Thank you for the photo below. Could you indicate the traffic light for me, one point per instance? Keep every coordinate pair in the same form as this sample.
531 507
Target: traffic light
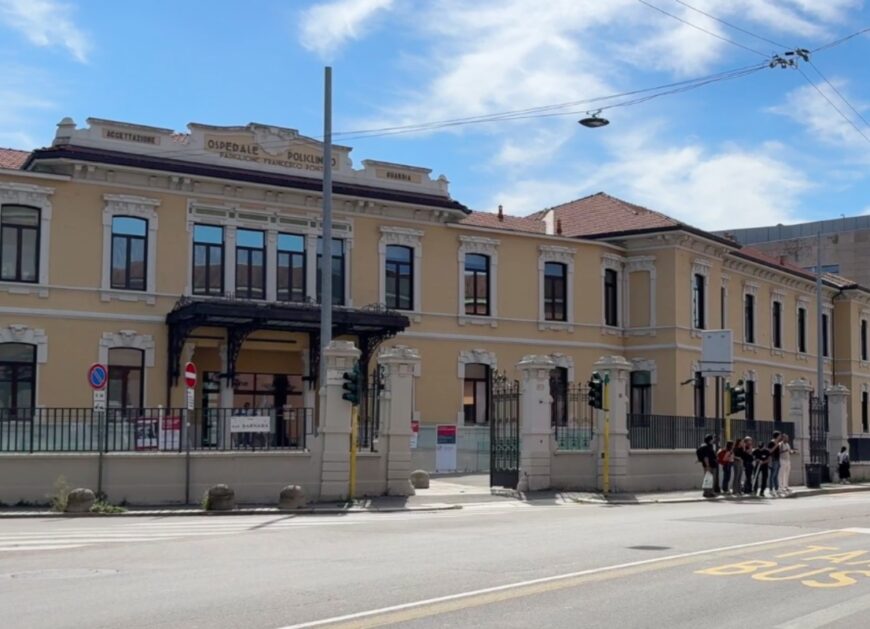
738 397
596 391
351 386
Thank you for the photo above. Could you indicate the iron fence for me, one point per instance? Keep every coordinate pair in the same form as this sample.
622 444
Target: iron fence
669 432
153 430
370 416
571 417
760 431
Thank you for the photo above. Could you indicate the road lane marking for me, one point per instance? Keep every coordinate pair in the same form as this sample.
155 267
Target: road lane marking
453 602
829 615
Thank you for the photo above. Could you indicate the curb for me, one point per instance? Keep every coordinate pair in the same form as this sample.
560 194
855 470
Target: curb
262 511
649 501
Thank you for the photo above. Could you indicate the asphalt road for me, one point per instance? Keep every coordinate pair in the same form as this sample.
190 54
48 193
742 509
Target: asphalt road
786 563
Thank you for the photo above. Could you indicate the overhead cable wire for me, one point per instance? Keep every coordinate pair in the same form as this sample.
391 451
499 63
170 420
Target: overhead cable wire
838 93
729 24
842 40
833 104
704 30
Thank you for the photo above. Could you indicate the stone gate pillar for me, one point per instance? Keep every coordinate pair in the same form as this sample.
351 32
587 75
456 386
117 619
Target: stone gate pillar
535 424
838 420
401 364
799 392
335 418
617 370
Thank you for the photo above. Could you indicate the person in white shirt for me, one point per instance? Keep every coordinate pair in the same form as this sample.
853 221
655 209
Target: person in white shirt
843 465
785 452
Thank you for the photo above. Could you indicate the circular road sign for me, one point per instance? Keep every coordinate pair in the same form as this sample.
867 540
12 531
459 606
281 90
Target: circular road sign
98 376
190 375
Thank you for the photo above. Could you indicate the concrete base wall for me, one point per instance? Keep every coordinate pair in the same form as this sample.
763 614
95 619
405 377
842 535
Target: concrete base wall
571 470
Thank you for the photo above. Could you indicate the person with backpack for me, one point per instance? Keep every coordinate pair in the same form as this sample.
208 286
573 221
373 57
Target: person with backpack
725 458
706 454
843 465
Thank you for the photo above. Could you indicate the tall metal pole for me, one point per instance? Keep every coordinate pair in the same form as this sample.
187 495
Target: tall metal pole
820 360
326 241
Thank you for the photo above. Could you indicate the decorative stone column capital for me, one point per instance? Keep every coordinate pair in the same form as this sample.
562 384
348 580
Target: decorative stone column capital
799 385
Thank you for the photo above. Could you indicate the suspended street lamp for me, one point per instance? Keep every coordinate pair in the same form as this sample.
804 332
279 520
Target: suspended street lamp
593 121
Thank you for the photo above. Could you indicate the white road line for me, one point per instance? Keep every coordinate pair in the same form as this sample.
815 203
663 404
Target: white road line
558 577
43 547
858 530
825 617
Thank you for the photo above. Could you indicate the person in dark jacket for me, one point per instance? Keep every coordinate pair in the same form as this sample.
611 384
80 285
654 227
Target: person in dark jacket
762 455
748 464
706 454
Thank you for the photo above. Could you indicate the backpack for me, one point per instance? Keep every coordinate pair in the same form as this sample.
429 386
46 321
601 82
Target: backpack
720 458
701 453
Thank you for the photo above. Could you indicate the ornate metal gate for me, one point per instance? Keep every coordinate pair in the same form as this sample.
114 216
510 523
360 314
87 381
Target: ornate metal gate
504 440
819 437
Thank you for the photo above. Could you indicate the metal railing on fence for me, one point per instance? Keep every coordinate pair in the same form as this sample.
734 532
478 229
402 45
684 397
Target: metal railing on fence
572 418
670 432
370 417
153 430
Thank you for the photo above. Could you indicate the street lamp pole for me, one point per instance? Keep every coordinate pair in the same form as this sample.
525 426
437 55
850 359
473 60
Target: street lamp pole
326 237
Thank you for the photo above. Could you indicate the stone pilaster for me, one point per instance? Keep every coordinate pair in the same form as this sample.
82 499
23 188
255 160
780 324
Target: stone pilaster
799 392
838 420
615 370
535 424
401 365
335 420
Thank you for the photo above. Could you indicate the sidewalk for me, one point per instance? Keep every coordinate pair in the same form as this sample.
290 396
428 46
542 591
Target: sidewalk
674 497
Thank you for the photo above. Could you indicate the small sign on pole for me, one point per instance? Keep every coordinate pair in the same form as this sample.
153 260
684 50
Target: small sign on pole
99 400
717 353
98 376
415 432
190 375
190 399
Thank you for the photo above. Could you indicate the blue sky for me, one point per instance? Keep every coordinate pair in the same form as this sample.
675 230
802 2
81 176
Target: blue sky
760 149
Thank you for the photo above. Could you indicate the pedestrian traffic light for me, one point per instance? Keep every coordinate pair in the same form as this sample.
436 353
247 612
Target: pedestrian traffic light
352 380
738 397
596 391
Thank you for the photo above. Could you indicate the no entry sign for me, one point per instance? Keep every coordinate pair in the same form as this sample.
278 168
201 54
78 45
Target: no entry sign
98 375
190 375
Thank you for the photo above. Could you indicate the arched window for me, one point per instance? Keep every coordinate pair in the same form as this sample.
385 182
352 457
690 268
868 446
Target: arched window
17 376
126 370
129 247
19 243
399 271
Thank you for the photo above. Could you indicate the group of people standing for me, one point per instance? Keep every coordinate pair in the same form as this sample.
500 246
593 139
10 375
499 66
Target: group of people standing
747 468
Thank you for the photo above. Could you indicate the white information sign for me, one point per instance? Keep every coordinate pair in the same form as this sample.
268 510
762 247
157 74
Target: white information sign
191 399
170 433
445 448
717 355
99 400
250 423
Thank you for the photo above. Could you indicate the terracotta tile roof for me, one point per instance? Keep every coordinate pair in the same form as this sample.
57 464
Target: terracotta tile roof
759 256
600 214
12 158
511 223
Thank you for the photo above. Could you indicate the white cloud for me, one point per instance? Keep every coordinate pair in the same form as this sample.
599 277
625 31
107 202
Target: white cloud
325 28
23 100
46 23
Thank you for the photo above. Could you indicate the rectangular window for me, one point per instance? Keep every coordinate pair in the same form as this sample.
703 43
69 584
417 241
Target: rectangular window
750 399
640 402
129 247
777 324
723 295
19 244
477 284
399 277
250 264
824 335
291 267
611 297
208 260
749 318
555 291
338 296
17 377
126 367
699 296
475 395
802 330
863 339
777 402
865 421
700 397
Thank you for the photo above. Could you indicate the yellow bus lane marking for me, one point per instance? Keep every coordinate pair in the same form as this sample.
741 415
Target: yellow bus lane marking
813 566
465 600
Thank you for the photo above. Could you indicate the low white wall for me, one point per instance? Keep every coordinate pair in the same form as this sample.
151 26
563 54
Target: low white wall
573 470
472 449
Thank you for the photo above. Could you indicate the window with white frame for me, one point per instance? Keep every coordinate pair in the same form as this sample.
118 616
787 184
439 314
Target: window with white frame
130 243
25 217
750 292
776 391
801 328
555 280
776 323
611 275
478 279
826 333
864 339
700 277
400 253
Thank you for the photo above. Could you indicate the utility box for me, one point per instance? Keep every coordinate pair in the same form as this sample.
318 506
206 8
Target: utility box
717 354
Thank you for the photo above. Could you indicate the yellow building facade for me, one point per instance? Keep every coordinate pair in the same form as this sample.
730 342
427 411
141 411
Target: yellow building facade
142 249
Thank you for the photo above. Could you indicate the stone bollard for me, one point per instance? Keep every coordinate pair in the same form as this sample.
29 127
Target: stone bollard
220 498
80 501
420 479
292 497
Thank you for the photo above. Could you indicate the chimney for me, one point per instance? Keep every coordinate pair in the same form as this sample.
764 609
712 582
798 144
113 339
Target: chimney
782 260
559 226
500 213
